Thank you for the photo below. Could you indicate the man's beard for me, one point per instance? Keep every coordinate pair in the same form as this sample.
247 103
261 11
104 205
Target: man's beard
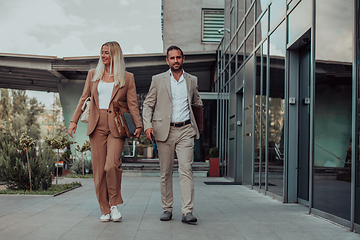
179 69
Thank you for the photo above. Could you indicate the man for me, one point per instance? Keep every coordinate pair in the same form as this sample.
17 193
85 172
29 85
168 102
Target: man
168 117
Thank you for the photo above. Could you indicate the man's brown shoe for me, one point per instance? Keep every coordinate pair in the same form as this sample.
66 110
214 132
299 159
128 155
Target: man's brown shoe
166 216
188 218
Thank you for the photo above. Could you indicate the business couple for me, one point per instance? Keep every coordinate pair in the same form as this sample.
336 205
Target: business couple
167 116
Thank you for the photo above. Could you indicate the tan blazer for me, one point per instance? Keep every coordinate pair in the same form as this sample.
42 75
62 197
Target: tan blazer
124 94
157 108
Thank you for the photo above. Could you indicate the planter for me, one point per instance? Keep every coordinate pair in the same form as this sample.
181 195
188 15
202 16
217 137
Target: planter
148 152
214 168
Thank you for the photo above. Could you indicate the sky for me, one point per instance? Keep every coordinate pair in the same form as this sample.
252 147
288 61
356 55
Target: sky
67 28
72 28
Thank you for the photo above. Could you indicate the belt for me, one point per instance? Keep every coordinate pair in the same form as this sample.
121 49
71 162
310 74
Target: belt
180 124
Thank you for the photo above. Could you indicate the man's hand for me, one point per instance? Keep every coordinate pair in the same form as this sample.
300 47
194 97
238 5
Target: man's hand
72 129
148 133
137 133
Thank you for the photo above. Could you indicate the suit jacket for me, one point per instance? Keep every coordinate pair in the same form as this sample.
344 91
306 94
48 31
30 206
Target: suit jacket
126 94
157 107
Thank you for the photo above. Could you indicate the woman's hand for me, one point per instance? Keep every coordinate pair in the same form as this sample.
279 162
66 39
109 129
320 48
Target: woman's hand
137 133
72 129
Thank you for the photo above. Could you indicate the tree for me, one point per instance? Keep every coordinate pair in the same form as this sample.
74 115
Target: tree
58 142
85 147
53 119
19 101
15 165
34 110
5 104
22 114
26 142
19 116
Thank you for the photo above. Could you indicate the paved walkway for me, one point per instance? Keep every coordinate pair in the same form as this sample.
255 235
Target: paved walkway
224 212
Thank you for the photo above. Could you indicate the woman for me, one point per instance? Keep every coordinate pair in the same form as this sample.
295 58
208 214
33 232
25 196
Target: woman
106 84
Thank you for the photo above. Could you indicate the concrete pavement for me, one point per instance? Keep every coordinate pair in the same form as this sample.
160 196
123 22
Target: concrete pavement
223 212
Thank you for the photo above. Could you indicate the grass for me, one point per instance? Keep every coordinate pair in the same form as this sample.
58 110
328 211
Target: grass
51 190
79 176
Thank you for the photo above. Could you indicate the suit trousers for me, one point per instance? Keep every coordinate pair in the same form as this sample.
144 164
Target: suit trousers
106 161
181 141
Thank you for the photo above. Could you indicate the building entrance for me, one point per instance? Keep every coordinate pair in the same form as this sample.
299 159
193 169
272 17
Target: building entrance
239 138
304 122
297 189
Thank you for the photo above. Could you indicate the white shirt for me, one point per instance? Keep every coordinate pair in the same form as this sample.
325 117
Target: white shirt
180 103
105 91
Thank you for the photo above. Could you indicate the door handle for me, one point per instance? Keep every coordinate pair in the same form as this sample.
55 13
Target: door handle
306 101
292 101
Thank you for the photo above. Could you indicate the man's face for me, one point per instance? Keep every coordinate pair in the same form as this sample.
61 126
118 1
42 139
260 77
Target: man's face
175 60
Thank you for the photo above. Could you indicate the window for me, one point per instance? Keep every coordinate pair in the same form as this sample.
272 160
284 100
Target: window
213 20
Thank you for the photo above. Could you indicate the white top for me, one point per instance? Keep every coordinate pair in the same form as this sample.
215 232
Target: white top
180 103
105 91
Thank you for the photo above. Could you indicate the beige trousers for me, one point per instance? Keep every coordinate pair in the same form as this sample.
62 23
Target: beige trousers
181 141
106 161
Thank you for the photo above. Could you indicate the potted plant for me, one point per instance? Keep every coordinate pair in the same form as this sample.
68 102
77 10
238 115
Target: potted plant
214 169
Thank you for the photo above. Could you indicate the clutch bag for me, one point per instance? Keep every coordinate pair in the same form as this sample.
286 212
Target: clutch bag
84 117
125 125
198 111
129 122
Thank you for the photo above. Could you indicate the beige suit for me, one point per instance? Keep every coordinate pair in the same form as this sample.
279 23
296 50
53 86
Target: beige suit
157 112
105 141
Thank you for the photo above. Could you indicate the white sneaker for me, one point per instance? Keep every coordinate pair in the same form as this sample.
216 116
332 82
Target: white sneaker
105 217
115 214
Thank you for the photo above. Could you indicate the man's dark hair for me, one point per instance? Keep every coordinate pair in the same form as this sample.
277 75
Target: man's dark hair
173 48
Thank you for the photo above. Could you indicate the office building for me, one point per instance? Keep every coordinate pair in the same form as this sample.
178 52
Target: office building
287 83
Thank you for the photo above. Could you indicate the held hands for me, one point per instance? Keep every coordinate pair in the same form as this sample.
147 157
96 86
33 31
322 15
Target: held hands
149 132
72 129
137 133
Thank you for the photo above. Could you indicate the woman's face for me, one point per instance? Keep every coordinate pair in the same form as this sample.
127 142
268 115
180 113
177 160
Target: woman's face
105 55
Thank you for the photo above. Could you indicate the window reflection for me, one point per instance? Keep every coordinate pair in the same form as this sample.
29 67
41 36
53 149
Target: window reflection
240 57
332 127
276 111
277 12
240 10
299 20
248 120
264 4
260 128
250 20
263 110
249 44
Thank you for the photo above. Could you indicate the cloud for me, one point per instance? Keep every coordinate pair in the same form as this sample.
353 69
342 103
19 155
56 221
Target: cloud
274 51
68 47
54 27
334 31
125 2
45 98
24 19
138 49
106 29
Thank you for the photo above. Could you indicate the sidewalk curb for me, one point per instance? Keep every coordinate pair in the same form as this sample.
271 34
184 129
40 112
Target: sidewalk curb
67 190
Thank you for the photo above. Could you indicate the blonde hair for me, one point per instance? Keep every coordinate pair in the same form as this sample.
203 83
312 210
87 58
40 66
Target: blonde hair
117 64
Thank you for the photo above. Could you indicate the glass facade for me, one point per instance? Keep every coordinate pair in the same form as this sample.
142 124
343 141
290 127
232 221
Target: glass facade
276 110
333 90
285 82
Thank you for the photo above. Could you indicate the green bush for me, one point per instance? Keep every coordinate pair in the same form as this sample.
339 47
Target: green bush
77 166
79 176
50 191
14 168
214 152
